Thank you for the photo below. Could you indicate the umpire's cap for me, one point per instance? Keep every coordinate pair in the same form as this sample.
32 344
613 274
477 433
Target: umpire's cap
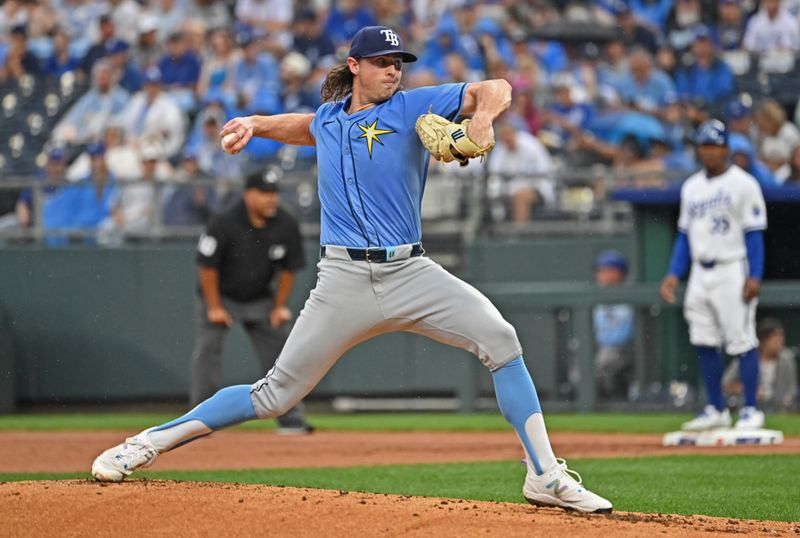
373 41
711 133
262 181
611 258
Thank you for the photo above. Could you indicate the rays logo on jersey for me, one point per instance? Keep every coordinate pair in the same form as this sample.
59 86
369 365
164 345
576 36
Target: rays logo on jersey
372 133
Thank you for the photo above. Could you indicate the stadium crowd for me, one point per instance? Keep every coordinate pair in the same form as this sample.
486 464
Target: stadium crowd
623 86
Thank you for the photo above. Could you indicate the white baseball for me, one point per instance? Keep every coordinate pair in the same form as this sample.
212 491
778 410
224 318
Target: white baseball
227 141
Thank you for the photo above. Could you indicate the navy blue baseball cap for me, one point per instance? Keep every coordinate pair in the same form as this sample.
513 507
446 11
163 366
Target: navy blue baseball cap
373 41
736 109
95 149
611 258
711 133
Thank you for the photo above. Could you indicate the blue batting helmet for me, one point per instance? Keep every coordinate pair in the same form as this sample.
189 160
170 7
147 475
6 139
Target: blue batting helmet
712 133
611 258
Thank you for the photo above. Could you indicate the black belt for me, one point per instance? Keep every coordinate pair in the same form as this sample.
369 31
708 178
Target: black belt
375 255
710 264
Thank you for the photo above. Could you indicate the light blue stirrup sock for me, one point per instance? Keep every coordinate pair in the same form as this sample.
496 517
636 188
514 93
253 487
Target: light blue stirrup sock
519 404
227 407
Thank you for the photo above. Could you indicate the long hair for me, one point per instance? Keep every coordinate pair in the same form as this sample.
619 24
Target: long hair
338 84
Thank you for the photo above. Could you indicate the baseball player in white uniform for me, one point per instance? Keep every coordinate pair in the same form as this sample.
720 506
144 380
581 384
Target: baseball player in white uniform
720 234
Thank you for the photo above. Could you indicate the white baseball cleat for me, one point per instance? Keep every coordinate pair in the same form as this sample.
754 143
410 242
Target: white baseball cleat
709 419
557 487
116 463
750 418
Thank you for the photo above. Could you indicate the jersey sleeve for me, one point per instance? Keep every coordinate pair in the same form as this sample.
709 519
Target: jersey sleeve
445 100
753 209
210 246
683 214
318 116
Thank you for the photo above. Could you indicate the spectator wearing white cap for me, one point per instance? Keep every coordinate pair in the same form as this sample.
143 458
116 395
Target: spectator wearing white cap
296 94
123 12
152 118
148 49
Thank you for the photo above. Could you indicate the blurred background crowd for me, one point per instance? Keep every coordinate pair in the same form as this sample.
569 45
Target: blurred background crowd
101 93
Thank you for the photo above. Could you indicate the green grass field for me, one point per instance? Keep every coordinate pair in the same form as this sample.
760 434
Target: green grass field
621 423
752 487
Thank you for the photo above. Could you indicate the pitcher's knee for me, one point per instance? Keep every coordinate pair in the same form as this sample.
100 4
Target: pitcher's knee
500 345
269 402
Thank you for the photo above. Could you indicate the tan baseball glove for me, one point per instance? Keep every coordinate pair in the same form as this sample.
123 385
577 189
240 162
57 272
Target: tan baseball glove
448 141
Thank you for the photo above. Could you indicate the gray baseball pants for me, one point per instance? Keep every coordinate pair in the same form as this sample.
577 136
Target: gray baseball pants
267 342
354 301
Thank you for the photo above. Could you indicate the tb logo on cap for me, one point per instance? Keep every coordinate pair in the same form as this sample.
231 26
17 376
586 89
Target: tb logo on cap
391 37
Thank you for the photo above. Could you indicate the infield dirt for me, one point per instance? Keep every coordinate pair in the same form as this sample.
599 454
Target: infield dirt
161 508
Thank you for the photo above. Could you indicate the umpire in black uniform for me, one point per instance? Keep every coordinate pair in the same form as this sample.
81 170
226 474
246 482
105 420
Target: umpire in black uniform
238 258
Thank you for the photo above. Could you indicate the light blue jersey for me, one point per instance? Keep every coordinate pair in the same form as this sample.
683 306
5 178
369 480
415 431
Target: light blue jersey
373 167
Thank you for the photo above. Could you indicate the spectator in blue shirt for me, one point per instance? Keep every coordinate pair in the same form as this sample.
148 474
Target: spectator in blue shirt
99 49
633 34
55 173
708 80
129 78
739 118
613 330
61 60
100 189
82 205
564 118
346 18
180 70
731 25
185 204
744 156
653 12
255 73
645 88
309 40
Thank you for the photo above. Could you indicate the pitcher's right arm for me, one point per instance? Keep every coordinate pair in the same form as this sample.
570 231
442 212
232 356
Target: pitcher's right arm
286 128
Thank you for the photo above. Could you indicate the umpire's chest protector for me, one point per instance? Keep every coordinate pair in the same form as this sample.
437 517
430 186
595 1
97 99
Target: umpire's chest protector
372 166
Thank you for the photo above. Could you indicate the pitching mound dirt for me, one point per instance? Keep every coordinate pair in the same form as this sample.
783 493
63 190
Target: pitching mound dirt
33 451
164 508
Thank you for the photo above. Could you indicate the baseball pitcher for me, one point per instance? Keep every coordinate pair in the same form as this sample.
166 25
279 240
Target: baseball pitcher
373 143
720 234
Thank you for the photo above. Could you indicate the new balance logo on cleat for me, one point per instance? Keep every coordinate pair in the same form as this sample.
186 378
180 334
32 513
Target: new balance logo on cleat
556 486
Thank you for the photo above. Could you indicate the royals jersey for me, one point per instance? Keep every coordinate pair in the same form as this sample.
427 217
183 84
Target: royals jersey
716 213
373 166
